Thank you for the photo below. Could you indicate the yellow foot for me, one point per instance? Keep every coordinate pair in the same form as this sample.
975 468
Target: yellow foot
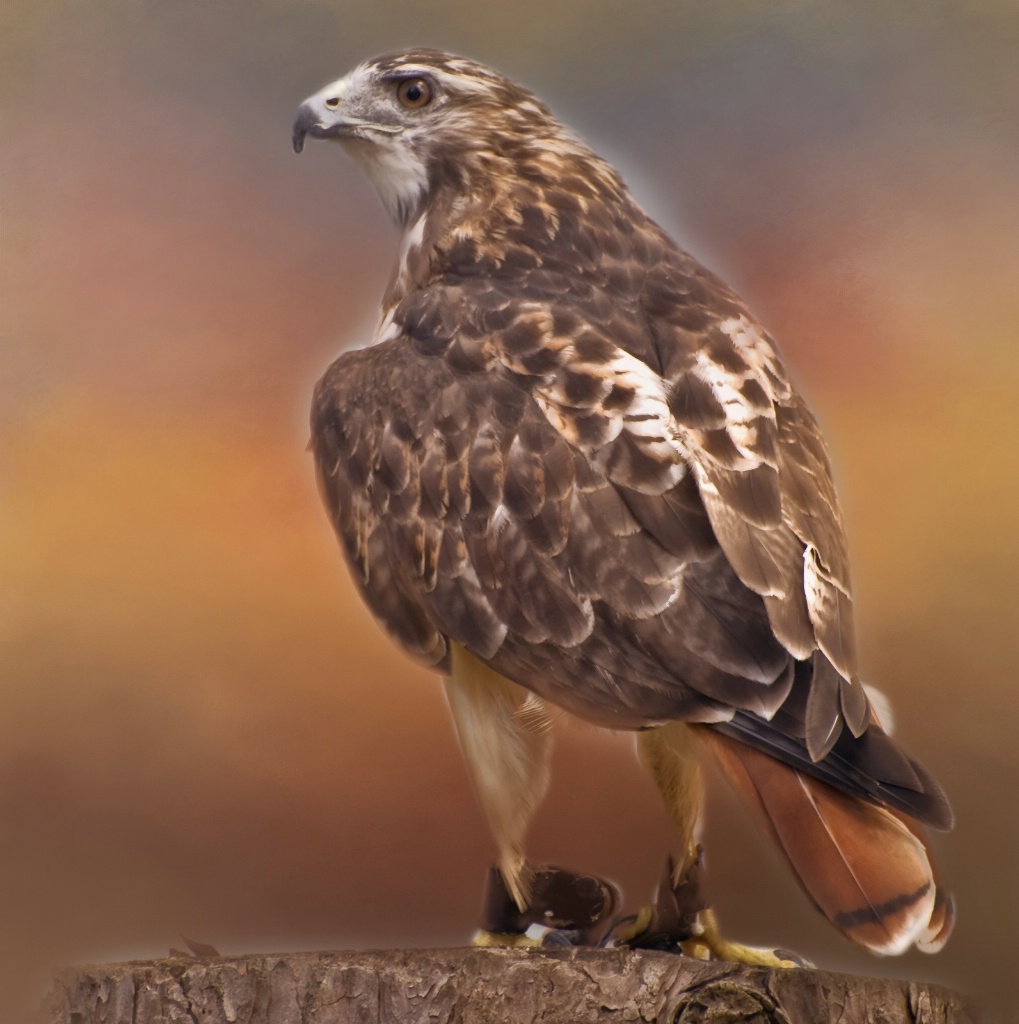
630 929
709 945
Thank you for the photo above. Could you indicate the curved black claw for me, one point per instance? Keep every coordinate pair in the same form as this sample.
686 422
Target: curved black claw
567 908
794 958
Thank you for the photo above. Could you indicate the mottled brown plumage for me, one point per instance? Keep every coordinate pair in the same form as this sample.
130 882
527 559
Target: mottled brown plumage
572 452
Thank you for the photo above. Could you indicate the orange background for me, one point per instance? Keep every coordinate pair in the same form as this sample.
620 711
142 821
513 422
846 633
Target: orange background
201 731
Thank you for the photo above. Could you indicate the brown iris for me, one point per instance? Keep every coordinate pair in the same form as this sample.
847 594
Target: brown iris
414 93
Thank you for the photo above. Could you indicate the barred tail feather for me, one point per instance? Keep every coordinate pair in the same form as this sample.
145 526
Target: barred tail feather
942 920
865 868
935 935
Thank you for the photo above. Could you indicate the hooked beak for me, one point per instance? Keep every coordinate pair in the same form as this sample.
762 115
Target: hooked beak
321 122
309 121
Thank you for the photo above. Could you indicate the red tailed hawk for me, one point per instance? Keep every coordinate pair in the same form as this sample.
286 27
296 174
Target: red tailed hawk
570 469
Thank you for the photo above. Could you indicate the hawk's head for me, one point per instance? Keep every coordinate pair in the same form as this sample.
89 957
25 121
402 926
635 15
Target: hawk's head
420 119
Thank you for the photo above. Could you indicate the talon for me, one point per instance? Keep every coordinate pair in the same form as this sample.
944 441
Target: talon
717 948
680 921
695 949
672 919
625 930
795 959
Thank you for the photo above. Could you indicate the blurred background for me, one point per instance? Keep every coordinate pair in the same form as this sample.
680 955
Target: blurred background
201 730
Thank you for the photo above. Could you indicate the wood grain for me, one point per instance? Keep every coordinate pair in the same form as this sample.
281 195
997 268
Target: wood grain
484 986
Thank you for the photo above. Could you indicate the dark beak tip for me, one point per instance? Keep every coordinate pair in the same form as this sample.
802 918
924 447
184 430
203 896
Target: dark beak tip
303 123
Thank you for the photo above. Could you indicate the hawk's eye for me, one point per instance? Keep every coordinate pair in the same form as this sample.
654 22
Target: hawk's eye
414 93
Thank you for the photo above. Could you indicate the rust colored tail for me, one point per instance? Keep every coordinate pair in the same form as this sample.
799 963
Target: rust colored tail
865 867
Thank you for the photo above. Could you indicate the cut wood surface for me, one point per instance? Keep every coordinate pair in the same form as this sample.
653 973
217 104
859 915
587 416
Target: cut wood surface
484 986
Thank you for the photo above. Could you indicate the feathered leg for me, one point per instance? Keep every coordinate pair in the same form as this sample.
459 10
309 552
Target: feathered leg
670 754
505 736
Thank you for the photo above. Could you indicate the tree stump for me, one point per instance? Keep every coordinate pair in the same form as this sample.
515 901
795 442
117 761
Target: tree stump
484 986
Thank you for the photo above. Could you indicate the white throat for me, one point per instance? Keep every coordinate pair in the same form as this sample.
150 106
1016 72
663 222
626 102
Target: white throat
399 177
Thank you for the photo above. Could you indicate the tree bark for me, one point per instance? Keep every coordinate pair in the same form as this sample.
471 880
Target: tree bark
484 986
